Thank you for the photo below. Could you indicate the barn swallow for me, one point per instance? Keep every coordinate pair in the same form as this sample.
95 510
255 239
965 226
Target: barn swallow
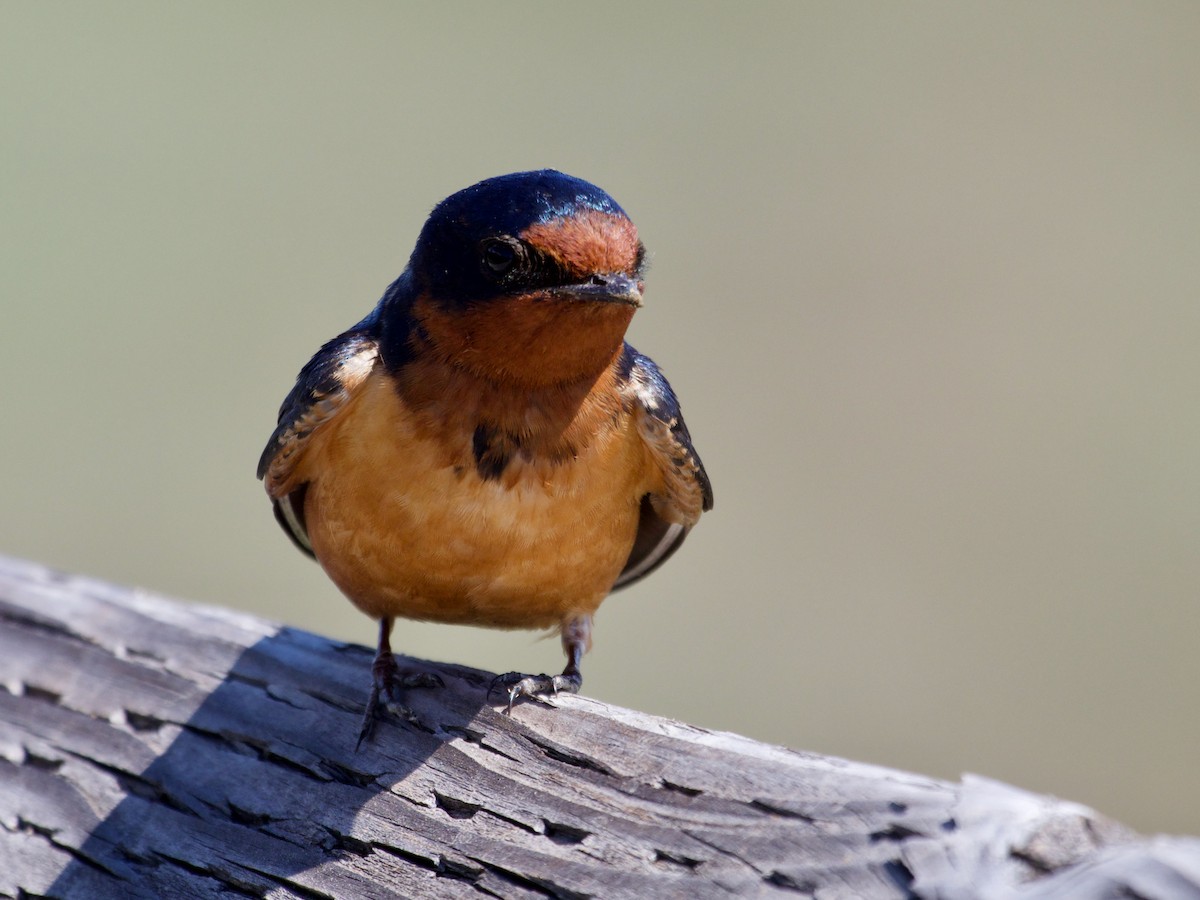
484 447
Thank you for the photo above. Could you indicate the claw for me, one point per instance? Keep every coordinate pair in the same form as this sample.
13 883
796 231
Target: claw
535 687
385 697
387 686
495 681
422 680
576 636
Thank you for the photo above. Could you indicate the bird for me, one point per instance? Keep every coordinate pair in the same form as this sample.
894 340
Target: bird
485 447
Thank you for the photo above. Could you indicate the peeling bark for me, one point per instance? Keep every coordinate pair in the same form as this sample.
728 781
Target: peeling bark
153 749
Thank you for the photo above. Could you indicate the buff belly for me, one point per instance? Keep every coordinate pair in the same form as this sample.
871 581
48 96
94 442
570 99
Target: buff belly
406 526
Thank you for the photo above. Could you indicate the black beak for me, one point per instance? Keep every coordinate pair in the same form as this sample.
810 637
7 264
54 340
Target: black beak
607 288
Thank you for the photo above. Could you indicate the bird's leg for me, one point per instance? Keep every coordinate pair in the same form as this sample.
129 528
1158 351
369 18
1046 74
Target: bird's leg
387 684
576 641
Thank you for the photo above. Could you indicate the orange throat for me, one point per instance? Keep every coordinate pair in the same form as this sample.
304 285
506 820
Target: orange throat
532 340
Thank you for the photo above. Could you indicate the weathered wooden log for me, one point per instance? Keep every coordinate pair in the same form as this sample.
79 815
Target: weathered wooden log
150 748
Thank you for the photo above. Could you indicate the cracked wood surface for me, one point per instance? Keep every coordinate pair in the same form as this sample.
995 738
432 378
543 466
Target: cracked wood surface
154 749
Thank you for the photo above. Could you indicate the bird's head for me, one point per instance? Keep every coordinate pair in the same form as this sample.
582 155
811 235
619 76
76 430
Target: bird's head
530 278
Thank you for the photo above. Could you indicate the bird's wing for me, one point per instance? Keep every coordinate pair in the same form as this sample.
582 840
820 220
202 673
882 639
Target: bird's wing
323 388
666 517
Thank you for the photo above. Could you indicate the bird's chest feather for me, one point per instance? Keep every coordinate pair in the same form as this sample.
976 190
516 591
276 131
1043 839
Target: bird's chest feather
461 510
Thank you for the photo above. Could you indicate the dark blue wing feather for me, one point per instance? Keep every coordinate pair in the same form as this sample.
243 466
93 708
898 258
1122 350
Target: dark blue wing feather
664 520
321 387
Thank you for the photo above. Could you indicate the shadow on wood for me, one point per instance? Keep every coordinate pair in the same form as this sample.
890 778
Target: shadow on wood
149 748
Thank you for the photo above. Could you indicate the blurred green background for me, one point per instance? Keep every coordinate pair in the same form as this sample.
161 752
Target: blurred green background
926 277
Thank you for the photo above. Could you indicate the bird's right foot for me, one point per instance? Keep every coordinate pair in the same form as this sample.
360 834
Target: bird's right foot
387 688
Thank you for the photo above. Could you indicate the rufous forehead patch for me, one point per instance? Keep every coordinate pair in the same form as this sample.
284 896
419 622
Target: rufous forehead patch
588 242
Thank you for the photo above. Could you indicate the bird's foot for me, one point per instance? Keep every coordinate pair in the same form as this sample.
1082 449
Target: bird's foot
388 685
535 686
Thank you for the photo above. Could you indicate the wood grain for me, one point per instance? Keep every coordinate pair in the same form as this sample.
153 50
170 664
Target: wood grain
154 749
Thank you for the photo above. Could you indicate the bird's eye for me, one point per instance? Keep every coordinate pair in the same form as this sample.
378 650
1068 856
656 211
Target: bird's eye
499 256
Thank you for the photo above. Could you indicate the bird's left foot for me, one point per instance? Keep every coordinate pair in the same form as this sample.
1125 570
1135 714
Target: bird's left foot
536 686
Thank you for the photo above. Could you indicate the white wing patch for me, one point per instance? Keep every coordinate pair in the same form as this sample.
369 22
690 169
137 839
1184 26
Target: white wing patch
293 522
666 544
